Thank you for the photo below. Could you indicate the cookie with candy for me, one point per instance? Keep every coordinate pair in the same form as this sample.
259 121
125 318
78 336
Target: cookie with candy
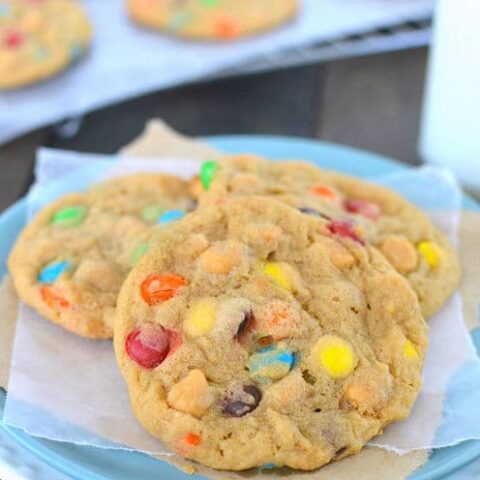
254 335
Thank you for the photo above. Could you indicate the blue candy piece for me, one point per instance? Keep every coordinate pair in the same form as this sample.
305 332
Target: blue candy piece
269 466
272 362
52 271
5 9
170 216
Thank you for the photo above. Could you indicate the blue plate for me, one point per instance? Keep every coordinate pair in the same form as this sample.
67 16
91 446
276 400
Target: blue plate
80 462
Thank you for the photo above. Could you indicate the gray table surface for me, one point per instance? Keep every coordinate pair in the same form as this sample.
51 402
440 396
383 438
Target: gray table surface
369 102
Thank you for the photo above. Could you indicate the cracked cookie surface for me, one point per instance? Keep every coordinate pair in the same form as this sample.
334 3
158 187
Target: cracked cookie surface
71 260
253 335
401 231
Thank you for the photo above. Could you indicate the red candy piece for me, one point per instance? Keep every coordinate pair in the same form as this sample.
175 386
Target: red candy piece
345 229
150 347
52 299
323 191
363 207
13 39
156 289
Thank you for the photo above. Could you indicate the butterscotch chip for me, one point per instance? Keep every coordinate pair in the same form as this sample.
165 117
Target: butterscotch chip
400 253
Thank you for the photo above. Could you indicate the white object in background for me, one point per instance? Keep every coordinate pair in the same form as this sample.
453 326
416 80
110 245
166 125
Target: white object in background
450 133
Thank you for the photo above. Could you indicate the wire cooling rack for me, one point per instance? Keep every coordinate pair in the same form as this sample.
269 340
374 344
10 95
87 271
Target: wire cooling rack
402 36
398 37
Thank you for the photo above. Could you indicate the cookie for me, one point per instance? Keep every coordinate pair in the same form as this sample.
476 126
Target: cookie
404 234
212 19
254 335
71 260
39 38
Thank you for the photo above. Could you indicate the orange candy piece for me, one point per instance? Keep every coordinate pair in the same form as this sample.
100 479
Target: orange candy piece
191 439
226 29
323 191
156 288
52 299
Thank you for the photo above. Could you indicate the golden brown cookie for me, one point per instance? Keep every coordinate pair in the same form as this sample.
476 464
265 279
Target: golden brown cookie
254 335
404 234
212 19
39 38
70 261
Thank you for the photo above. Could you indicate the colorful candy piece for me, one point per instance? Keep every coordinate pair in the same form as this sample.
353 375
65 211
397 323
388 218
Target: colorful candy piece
13 39
363 207
240 403
5 9
180 19
209 3
151 213
346 229
69 216
170 216
313 212
191 439
409 350
207 172
157 288
334 355
53 271
246 326
138 252
269 466
226 29
323 191
192 394
431 252
149 347
279 319
273 362
201 317
52 299
277 272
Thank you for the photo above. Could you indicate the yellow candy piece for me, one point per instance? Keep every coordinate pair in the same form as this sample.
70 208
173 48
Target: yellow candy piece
278 273
201 317
334 355
431 252
409 350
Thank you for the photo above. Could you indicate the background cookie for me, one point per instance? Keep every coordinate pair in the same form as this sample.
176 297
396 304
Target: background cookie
212 19
71 261
415 247
39 38
252 335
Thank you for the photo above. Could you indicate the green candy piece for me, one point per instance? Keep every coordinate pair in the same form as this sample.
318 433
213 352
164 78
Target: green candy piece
209 3
69 216
138 253
152 213
207 172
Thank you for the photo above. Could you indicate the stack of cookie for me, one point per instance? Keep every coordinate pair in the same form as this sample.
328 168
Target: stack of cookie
263 314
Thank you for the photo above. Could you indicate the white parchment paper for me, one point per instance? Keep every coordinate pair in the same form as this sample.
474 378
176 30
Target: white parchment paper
63 387
126 60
